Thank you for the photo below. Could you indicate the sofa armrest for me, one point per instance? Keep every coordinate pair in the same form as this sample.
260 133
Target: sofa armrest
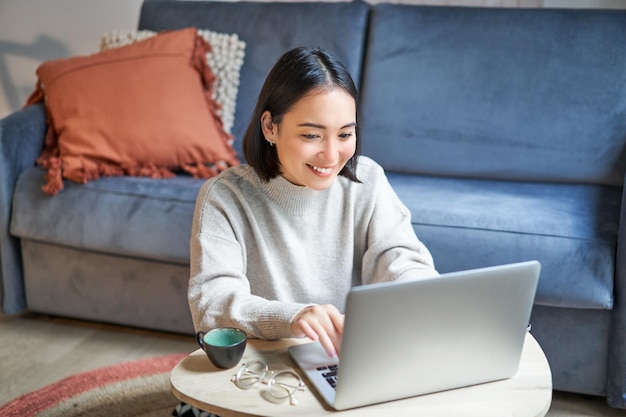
21 142
616 368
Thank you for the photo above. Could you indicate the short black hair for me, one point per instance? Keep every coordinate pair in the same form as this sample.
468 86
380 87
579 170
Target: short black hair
297 73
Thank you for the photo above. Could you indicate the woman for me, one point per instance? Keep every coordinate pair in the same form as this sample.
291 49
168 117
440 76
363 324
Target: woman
277 244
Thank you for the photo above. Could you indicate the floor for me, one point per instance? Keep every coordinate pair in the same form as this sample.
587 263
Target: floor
37 350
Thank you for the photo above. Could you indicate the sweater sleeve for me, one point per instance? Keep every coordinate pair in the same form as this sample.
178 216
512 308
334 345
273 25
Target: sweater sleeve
219 293
393 250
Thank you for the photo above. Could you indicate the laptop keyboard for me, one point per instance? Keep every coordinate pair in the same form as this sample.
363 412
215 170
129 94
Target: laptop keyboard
330 374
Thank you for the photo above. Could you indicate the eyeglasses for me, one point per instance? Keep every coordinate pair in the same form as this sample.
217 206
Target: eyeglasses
280 385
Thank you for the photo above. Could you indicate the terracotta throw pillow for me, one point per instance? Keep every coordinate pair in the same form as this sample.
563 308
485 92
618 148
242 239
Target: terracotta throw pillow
225 59
144 109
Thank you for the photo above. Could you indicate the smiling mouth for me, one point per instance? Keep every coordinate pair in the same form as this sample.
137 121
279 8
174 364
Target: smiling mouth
320 169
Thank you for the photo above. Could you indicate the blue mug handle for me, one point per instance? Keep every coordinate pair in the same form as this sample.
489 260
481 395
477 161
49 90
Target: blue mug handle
200 338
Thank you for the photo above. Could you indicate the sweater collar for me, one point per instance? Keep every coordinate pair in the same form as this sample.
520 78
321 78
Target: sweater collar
294 199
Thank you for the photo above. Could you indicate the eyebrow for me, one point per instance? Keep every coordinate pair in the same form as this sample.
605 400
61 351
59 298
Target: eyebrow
318 126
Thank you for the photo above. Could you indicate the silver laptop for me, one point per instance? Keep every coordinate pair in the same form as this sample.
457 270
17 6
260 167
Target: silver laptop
409 338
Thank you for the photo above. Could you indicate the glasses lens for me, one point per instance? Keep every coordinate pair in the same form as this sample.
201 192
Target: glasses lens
284 385
251 373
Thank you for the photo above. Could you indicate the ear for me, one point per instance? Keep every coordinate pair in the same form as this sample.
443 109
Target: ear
268 126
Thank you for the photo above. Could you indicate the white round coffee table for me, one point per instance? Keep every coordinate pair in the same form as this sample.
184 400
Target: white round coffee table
196 381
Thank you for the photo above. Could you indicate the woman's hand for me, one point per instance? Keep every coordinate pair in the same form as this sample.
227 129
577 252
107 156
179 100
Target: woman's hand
323 323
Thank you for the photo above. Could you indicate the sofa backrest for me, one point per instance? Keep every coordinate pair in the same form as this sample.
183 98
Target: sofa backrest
269 30
520 94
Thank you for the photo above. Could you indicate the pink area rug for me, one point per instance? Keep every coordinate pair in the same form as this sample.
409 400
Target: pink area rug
137 388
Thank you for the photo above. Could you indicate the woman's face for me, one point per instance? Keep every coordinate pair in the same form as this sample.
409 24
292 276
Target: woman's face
316 138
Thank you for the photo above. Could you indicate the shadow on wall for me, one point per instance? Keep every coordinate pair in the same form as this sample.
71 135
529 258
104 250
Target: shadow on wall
43 49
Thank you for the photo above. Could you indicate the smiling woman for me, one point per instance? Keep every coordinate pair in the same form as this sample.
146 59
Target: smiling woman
300 192
277 244
318 96
315 139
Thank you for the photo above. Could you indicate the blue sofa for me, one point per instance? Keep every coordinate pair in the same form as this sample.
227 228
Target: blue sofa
503 131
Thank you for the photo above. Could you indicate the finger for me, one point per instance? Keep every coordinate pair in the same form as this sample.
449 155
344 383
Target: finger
335 339
324 340
328 344
339 325
336 332
323 323
338 320
308 330
327 336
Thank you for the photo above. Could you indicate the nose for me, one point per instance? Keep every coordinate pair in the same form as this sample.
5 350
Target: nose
329 149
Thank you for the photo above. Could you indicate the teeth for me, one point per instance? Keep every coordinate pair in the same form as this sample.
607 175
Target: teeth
321 170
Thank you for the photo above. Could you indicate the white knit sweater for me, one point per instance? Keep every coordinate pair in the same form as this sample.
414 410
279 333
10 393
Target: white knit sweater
260 252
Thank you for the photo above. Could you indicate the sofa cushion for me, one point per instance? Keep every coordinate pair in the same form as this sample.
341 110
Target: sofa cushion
570 229
144 109
496 93
498 222
225 59
128 216
339 27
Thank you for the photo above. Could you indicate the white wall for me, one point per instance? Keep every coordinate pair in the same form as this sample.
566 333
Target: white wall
33 31
602 4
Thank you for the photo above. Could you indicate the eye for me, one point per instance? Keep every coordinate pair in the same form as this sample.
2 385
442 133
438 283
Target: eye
310 136
346 135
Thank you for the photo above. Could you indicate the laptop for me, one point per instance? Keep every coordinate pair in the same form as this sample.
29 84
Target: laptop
403 339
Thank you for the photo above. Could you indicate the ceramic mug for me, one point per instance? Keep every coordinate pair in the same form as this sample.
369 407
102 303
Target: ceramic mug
223 346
